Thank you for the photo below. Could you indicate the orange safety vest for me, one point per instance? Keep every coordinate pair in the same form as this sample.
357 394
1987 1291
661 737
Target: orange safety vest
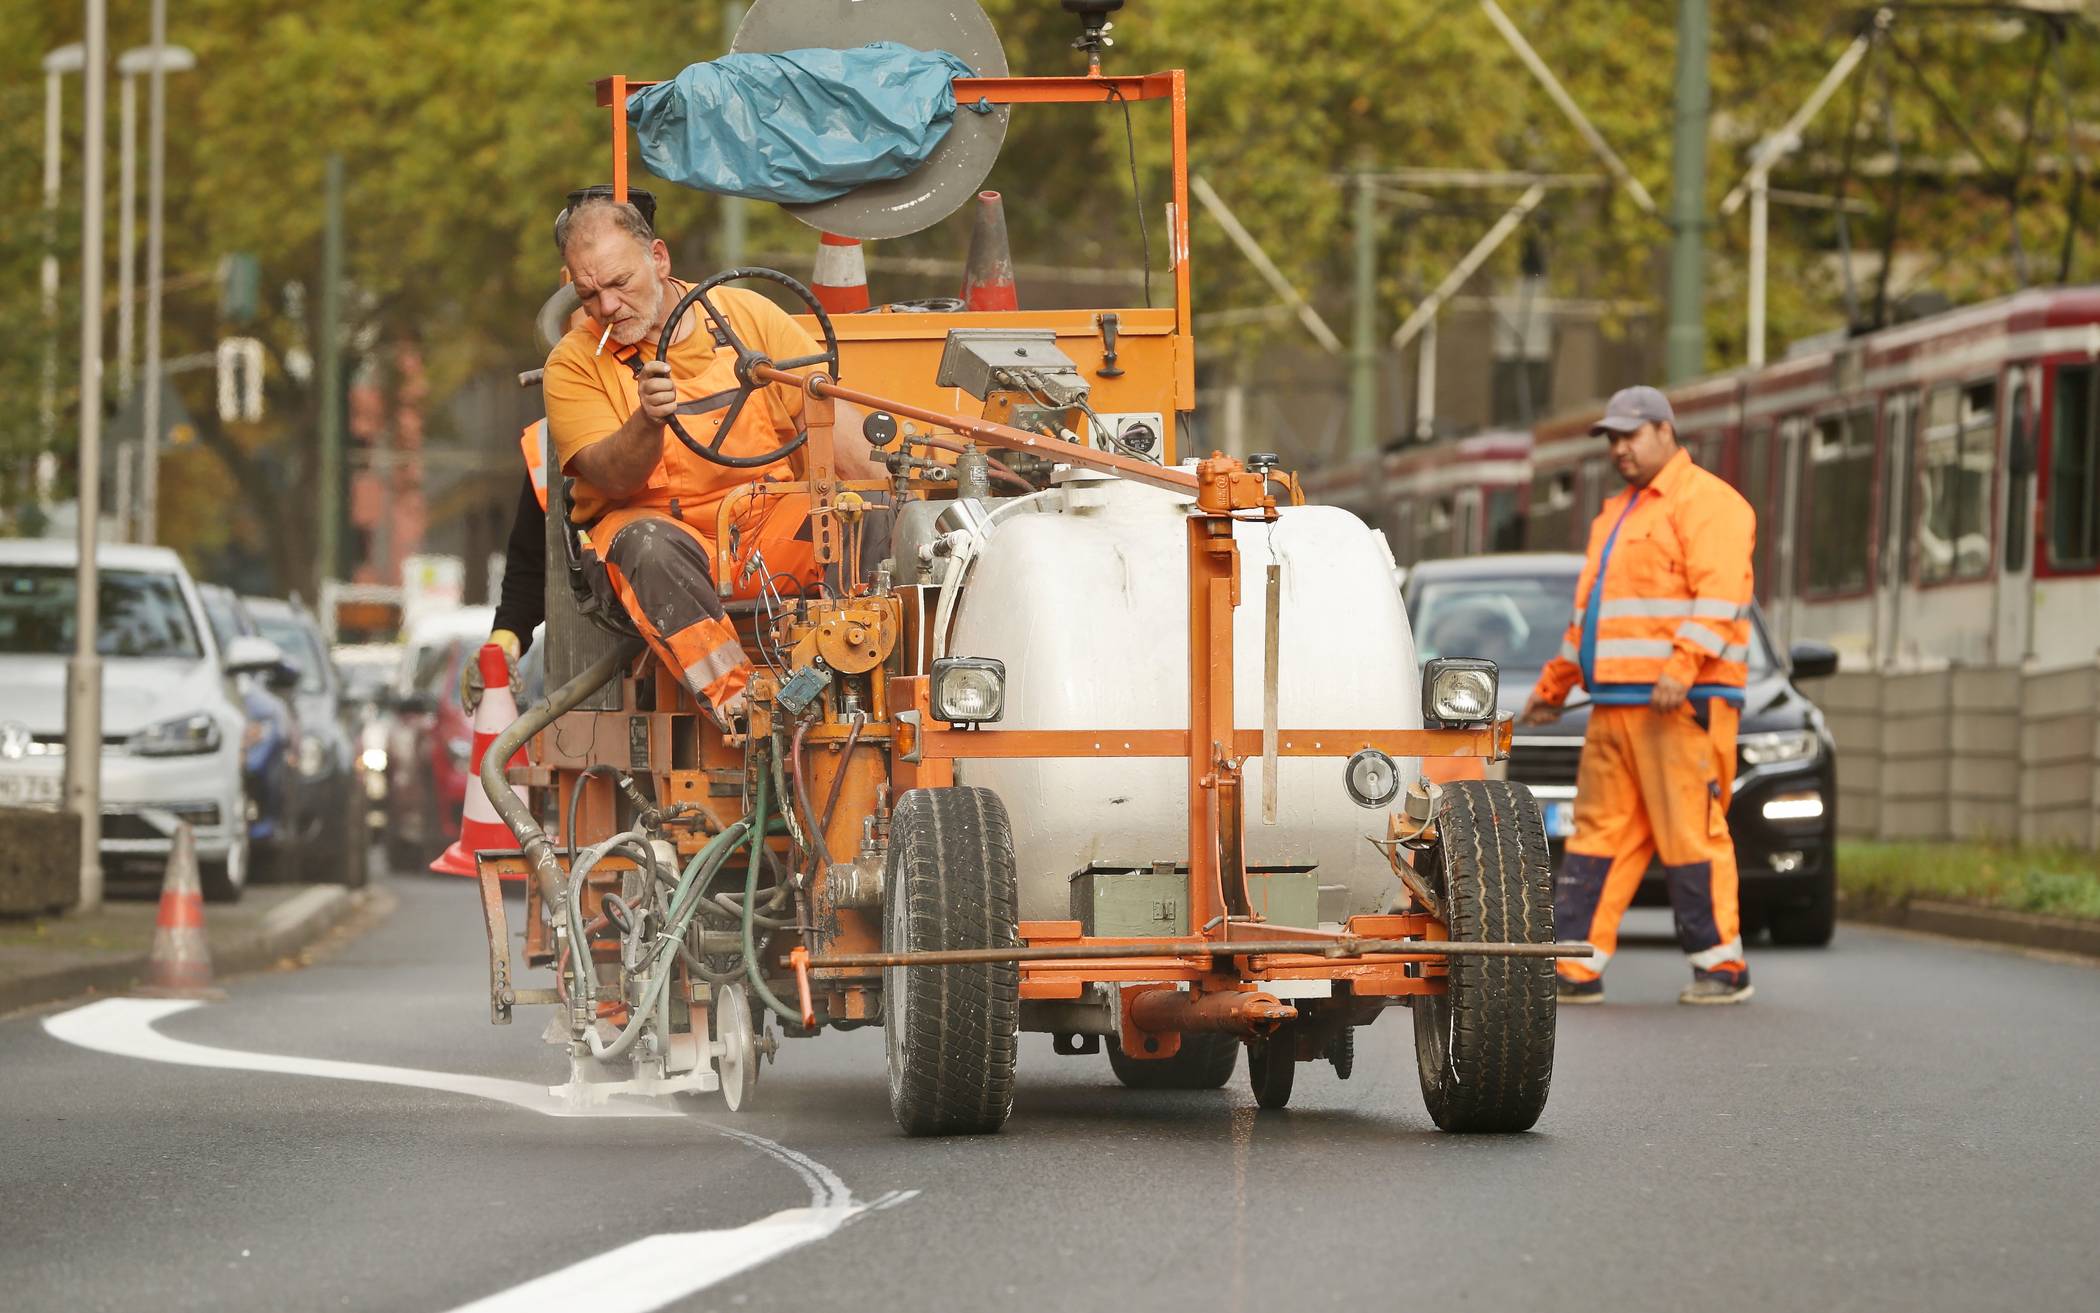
1666 590
534 443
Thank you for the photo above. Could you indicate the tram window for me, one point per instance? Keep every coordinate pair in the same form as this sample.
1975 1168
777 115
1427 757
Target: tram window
1840 501
1595 488
1957 460
2074 471
1435 531
1505 521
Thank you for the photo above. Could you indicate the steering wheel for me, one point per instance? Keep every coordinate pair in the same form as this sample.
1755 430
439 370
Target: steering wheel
747 363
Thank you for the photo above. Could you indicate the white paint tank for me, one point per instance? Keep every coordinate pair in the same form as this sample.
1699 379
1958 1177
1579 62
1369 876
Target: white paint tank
1088 607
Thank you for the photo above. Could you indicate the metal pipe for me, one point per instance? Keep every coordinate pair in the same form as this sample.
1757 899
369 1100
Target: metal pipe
1333 948
539 852
1226 1011
83 790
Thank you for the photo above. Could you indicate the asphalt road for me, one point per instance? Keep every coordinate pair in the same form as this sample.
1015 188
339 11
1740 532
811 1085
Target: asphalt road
1894 1123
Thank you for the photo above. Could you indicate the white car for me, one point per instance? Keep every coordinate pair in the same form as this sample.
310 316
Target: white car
171 724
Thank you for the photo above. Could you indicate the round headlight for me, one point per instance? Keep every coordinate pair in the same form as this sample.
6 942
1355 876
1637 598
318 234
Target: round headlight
1371 778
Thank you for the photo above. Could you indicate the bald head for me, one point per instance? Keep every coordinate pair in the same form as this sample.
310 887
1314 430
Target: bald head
621 269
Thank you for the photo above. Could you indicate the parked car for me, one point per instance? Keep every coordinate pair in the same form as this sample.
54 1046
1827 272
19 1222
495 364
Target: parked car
1514 610
269 740
172 727
368 672
328 837
431 741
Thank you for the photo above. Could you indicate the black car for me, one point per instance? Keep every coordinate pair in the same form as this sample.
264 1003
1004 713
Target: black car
325 827
1514 610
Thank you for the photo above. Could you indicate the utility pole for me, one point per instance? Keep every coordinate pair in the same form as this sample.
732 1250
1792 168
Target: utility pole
327 541
84 675
1363 336
139 59
156 194
1685 347
731 236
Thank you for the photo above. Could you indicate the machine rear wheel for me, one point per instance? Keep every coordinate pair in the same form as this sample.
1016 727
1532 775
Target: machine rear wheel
1484 1048
950 882
1203 1062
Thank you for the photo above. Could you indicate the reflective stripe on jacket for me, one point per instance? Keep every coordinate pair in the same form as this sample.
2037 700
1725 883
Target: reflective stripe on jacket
1665 590
533 441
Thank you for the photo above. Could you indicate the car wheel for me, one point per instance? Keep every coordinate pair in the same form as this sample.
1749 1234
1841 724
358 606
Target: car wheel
225 879
1808 925
344 846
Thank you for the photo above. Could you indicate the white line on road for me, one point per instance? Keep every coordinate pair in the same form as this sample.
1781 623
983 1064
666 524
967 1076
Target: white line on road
635 1278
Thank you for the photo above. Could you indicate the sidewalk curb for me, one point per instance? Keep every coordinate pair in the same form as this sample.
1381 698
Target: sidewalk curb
286 929
2055 934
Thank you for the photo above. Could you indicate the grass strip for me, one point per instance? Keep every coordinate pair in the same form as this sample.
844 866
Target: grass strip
2049 881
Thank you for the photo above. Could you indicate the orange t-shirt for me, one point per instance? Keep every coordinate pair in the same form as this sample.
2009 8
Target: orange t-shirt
589 396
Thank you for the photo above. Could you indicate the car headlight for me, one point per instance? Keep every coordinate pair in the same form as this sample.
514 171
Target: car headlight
374 760
1794 807
1774 746
181 737
1371 778
462 751
1459 690
968 690
313 755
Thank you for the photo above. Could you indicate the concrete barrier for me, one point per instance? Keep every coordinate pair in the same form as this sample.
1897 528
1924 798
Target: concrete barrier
1992 754
39 861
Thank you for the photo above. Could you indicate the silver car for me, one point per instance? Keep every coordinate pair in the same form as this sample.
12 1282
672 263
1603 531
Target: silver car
172 727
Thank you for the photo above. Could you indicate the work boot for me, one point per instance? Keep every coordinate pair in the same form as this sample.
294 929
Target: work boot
1718 990
1579 992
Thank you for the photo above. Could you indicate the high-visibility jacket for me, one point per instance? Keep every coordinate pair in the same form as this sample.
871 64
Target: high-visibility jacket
1666 590
534 443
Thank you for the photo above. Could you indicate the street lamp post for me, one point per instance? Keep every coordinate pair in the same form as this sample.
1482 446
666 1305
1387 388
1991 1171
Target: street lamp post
84 678
149 60
160 60
64 60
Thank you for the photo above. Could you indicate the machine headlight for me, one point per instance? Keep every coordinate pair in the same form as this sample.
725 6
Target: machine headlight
1371 778
968 690
181 737
1794 807
1459 690
1772 747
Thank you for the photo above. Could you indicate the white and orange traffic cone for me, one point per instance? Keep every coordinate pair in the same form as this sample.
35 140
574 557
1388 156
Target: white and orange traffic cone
180 966
481 828
988 277
841 276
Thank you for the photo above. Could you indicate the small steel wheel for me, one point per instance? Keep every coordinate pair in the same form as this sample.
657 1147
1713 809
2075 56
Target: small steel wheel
736 1046
1272 1064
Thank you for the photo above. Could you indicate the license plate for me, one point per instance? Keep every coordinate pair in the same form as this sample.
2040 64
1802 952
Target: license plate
29 790
1560 820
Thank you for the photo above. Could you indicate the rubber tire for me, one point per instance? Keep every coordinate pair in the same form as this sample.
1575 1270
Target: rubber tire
1810 926
349 847
1203 1062
1484 1049
951 1033
1272 1067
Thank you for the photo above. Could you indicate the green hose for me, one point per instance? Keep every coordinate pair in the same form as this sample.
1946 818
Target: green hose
758 850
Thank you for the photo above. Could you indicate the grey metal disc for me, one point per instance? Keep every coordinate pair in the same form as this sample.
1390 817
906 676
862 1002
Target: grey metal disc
958 166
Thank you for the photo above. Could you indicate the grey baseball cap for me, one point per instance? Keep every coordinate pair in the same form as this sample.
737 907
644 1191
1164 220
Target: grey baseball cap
1629 408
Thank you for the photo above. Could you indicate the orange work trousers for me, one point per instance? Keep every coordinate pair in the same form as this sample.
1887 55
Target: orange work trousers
1654 784
661 570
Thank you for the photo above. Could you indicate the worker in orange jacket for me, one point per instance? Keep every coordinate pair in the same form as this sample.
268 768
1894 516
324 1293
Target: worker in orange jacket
1661 640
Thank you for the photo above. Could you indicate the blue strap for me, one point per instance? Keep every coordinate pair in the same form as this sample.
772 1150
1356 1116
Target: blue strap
1590 614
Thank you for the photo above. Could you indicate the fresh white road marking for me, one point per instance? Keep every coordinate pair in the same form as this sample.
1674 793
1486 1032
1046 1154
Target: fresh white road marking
635 1278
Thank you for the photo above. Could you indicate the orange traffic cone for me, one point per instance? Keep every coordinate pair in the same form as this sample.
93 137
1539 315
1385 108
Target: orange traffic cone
988 278
480 828
180 966
841 277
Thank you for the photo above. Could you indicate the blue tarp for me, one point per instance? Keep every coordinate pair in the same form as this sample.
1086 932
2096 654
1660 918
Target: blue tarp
802 126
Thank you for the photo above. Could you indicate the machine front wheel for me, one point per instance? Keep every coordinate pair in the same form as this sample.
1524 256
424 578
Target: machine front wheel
950 1031
1272 1068
1203 1062
1484 1048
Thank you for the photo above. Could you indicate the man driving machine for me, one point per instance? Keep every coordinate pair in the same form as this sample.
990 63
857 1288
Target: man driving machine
625 415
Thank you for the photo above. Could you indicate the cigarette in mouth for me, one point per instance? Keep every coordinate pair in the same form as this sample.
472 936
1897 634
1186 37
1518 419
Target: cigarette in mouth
601 340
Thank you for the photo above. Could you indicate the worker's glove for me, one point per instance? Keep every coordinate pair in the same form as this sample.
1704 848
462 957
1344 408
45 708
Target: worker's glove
470 671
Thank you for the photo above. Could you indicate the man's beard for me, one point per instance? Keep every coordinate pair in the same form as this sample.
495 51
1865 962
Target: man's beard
628 332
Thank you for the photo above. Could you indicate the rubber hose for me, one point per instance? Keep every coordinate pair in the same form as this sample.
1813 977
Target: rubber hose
758 848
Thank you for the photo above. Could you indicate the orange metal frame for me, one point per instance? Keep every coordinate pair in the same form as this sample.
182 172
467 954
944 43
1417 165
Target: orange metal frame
924 753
